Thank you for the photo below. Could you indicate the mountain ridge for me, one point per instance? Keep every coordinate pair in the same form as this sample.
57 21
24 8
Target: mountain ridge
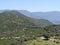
37 22
52 16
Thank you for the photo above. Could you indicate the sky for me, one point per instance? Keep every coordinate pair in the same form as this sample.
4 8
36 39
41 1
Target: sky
30 5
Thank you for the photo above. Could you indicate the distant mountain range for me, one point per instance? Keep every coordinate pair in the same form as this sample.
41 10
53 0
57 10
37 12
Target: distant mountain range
53 16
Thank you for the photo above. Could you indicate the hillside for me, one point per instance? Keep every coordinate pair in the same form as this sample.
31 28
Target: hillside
12 23
19 28
15 24
28 15
36 21
41 22
52 16
53 30
16 27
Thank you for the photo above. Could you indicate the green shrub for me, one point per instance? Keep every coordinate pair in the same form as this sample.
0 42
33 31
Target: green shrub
57 42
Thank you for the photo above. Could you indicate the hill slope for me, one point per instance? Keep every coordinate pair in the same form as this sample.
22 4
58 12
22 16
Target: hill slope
36 21
13 22
52 16
41 22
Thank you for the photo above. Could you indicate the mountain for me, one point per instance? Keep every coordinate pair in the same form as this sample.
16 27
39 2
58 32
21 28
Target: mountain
29 16
52 16
12 20
15 25
15 17
41 22
36 21
26 13
12 23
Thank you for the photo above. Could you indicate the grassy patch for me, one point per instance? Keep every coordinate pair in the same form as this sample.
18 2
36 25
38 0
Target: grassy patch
7 41
39 41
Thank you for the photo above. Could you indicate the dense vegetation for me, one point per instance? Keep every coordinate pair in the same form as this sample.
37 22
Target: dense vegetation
17 29
53 30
